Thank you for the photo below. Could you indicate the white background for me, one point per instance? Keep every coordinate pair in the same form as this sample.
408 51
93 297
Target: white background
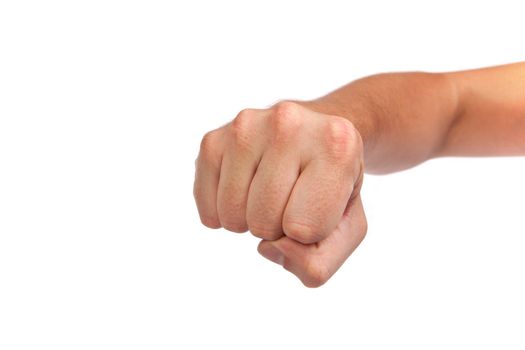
102 107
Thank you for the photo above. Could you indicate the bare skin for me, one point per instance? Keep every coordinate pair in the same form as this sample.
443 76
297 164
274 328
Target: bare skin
291 174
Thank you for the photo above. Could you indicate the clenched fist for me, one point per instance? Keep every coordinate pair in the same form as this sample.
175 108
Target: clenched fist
291 176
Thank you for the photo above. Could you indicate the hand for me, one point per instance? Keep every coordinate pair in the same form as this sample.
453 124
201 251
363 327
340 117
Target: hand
292 177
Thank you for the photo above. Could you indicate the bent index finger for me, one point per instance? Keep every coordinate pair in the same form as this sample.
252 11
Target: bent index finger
323 189
314 264
317 202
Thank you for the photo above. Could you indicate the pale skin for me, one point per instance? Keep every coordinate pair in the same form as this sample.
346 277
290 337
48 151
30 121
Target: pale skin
291 174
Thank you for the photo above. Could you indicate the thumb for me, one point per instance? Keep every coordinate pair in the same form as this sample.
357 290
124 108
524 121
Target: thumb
315 263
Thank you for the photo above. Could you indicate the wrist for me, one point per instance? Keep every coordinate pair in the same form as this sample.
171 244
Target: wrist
457 107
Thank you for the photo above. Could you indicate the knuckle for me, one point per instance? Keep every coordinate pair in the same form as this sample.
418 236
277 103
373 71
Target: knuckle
210 222
316 273
209 143
341 137
234 226
285 120
302 232
231 215
242 129
241 124
286 108
264 231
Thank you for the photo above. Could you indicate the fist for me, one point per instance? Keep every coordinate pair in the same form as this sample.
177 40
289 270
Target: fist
291 176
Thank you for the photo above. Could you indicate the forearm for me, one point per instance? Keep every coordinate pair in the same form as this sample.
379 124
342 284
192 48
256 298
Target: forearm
491 114
407 118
